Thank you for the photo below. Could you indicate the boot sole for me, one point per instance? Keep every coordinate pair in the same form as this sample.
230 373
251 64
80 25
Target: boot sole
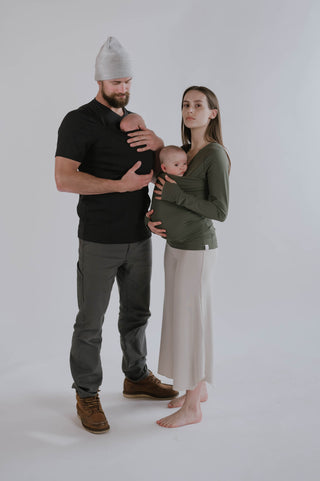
148 396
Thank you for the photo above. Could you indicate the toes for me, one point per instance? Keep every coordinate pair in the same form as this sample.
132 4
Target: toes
164 423
161 422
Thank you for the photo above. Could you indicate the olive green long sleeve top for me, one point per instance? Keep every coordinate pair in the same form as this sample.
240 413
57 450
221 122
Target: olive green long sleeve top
188 207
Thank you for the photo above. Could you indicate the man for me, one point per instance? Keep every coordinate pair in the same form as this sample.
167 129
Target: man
111 174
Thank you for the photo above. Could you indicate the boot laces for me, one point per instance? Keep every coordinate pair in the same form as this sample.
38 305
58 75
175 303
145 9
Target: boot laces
92 403
154 379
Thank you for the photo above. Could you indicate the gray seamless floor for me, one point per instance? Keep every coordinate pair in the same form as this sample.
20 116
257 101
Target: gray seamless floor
261 422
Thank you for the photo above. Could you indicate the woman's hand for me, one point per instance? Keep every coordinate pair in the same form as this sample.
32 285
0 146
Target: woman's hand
152 226
158 188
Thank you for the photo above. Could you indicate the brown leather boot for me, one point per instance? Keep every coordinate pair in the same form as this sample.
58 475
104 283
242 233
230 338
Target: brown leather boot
150 387
91 414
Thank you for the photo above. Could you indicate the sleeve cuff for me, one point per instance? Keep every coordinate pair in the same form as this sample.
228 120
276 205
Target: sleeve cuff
171 192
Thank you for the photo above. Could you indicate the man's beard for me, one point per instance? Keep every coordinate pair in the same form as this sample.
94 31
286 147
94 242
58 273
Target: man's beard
116 100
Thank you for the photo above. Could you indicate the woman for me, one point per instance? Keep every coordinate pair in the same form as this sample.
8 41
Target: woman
186 339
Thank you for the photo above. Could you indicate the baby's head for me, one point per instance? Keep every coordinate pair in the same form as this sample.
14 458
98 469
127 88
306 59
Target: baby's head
173 160
132 122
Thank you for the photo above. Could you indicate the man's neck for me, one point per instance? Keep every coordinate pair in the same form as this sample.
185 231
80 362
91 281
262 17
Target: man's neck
101 100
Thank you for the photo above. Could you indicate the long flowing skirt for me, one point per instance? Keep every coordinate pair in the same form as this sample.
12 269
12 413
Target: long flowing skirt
186 349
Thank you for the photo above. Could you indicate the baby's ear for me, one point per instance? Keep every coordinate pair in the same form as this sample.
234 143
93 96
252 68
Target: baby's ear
163 168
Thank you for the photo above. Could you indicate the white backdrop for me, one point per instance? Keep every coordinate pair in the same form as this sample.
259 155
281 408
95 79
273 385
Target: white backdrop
261 58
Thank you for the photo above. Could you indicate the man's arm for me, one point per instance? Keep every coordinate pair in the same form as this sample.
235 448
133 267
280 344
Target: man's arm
69 179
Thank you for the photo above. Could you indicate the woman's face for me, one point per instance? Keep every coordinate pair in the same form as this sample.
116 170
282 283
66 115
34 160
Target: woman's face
195 110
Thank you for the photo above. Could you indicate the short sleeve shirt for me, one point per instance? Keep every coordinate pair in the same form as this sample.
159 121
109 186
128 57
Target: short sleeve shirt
91 135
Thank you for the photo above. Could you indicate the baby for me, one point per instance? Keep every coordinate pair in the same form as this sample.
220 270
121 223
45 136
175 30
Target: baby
132 122
174 219
173 160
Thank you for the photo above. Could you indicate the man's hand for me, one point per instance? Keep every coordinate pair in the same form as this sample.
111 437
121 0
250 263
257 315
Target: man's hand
152 225
147 138
132 181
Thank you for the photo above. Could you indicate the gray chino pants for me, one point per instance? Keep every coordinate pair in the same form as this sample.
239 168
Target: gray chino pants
98 266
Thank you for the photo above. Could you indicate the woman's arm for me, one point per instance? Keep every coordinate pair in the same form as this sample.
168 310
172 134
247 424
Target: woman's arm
216 205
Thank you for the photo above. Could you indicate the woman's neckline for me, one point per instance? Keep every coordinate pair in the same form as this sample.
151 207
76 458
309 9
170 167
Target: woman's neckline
200 150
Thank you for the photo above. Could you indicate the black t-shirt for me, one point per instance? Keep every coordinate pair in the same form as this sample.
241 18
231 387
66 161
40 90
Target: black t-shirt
91 135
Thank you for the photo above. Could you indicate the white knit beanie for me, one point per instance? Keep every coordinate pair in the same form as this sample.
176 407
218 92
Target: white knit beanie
112 61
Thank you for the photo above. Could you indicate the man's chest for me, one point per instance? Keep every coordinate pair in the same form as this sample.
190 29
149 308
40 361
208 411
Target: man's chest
109 155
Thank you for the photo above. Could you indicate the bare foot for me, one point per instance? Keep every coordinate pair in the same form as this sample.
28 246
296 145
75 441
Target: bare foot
179 401
180 418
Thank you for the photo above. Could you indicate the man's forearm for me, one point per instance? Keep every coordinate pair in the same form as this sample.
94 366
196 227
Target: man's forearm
87 184
69 179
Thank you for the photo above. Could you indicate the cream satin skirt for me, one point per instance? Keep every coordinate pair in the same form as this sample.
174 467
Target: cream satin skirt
186 349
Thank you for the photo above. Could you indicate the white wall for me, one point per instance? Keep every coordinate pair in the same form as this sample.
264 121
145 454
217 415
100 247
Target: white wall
261 58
